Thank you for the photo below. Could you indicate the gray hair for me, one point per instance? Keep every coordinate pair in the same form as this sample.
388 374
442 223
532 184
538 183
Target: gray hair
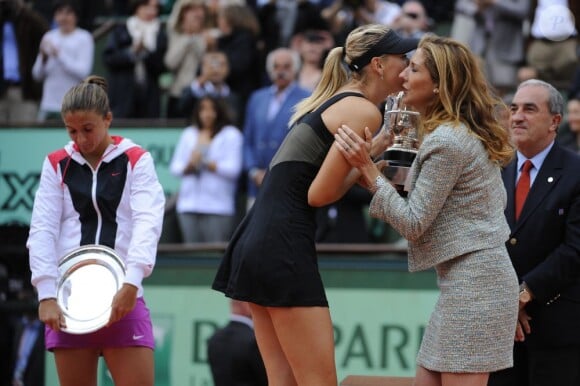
296 62
555 99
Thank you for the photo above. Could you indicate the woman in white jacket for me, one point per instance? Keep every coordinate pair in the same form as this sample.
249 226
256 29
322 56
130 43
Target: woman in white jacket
99 189
65 58
208 159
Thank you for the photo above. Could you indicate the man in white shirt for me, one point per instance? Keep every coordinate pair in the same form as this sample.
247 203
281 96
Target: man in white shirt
552 55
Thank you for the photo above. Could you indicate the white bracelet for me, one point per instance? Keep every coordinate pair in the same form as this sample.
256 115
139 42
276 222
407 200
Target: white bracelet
379 182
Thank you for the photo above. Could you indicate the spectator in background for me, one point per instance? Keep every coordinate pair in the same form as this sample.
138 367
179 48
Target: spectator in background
187 44
308 18
211 82
232 351
543 243
21 31
267 115
552 50
270 20
569 133
493 22
278 19
213 7
342 16
440 11
208 159
28 355
240 30
377 11
312 45
87 11
413 21
312 39
133 56
65 58
463 23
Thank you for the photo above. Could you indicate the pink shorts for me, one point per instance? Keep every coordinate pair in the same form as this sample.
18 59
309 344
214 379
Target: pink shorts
135 329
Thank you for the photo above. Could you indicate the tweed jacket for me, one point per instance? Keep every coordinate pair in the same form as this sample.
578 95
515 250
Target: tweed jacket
456 200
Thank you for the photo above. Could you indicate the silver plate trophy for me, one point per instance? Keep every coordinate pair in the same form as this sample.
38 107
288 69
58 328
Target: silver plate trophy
89 278
404 124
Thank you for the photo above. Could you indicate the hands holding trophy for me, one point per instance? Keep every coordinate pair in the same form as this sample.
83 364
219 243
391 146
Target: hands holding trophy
404 125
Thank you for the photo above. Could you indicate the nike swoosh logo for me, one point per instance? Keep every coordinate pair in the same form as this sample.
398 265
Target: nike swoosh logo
115 174
137 337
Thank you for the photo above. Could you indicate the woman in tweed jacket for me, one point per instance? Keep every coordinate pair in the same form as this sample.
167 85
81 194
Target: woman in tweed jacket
453 214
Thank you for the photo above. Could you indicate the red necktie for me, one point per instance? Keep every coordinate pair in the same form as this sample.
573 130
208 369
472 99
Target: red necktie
523 187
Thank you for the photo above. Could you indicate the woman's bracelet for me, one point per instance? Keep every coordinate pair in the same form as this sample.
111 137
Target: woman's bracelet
379 182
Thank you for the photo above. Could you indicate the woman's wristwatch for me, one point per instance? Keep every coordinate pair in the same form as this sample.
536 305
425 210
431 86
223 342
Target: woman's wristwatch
525 294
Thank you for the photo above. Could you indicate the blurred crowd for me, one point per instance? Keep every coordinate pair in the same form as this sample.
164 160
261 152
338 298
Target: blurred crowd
153 50
230 71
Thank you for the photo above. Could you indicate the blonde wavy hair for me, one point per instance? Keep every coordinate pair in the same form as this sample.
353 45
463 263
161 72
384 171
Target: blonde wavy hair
464 95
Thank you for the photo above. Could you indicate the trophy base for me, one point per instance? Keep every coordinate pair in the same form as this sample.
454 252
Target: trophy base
398 157
397 171
396 174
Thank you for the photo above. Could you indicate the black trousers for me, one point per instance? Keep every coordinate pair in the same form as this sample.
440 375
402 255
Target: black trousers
540 367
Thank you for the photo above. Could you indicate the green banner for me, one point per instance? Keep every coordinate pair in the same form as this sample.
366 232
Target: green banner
22 152
377 331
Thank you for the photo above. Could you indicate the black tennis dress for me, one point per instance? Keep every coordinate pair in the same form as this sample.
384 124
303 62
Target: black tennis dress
271 258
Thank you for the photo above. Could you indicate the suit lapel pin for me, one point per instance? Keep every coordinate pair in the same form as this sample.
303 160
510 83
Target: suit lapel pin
550 179
560 211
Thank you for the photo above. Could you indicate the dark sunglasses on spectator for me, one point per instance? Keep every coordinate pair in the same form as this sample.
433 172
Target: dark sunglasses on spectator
412 15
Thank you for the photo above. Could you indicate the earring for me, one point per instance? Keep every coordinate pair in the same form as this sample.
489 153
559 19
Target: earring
435 91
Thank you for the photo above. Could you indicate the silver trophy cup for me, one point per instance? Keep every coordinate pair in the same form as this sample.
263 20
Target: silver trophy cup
404 125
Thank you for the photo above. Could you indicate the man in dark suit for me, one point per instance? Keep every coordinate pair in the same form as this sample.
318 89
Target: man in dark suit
544 244
233 353
21 30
